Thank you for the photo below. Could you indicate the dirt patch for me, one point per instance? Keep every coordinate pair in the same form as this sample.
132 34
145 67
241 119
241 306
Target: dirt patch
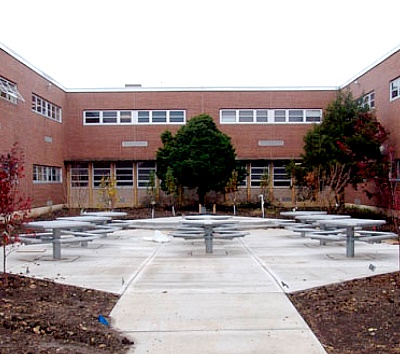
39 316
358 316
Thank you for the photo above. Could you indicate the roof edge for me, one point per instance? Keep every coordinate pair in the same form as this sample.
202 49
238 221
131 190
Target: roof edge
371 66
30 66
202 89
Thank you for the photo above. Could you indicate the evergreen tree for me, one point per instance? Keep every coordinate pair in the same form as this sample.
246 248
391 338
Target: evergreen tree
200 157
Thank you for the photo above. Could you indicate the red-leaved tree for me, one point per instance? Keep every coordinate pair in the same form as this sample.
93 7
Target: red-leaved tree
14 207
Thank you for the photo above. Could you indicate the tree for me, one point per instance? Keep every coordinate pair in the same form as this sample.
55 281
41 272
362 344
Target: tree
345 149
108 193
201 157
14 207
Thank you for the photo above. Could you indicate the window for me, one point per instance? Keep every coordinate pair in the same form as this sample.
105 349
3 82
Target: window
124 173
259 172
47 174
144 171
45 108
313 115
159 117
80 175
281 178
176 116
280 116
143 117
262 116
101 170
368 100
395 89
126 117
296 115
228 116
246 116
9 91
91 117
110 117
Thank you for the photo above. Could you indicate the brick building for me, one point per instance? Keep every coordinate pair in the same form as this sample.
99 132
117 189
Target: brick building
73 138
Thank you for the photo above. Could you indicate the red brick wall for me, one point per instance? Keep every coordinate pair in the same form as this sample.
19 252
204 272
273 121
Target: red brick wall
378 80
18 123
104 142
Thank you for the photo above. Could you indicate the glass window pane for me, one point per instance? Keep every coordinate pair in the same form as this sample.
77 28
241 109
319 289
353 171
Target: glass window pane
144 117
246 116
296 115
124 173
228 116
280 115
109 117
159 117
92 117
313 115
126 116
176 116
262 116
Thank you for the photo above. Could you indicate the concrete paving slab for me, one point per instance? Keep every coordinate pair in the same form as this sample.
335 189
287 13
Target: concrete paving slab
176 298
226 342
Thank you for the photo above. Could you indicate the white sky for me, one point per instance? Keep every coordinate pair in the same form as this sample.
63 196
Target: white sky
191 43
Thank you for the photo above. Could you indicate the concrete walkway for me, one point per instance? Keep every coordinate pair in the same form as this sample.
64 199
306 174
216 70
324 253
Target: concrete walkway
178 299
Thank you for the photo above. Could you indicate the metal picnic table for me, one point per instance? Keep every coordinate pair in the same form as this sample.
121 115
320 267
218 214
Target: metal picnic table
207 226
57 226
350 224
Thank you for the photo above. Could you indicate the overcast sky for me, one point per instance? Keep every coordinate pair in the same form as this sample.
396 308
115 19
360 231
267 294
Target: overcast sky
190 43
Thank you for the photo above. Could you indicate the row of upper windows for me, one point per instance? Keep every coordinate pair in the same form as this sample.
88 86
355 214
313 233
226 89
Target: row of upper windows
232 116
9 91
46 108
134 117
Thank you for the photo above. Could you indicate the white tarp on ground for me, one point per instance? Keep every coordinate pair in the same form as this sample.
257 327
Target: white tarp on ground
158 236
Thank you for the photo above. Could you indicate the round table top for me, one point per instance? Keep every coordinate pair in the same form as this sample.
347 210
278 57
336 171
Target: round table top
110 214
89 218
58 224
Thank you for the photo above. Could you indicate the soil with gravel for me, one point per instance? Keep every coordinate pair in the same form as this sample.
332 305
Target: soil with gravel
39 316
358 316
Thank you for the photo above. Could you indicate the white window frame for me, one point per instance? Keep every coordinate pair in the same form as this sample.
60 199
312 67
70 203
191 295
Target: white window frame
9 91
46 174
394 89
368 100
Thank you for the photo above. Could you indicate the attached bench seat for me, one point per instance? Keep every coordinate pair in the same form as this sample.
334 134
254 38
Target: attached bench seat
374 236
304 230
325 236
